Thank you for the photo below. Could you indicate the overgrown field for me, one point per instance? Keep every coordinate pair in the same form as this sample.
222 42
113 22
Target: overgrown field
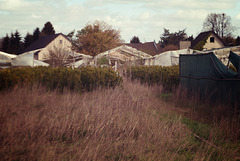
94 114
128 122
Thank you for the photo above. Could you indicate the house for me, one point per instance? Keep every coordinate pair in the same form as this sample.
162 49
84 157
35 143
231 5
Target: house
47 44
207 41
151 48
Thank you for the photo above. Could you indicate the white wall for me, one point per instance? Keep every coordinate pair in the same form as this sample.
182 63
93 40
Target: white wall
210 45
60 42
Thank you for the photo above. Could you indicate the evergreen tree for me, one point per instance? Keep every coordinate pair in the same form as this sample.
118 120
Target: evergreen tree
11 44
237 41
15 46
5 44
168 38
28 40
135 39
190 38
47 29
36 34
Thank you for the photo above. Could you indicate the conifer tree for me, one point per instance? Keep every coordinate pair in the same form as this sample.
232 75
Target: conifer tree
5 44
47 29
135 39
36 34
28 40
15 46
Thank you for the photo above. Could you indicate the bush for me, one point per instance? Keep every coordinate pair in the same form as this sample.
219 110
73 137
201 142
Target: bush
84 79
166 76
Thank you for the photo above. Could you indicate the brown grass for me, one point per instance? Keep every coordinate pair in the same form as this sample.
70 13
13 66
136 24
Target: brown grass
223 116
125 123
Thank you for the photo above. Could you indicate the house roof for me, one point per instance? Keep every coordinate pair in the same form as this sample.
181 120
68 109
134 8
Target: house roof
202 36
42 42
151 48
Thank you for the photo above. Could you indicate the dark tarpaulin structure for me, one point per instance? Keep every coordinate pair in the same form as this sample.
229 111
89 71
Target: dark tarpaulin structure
208 77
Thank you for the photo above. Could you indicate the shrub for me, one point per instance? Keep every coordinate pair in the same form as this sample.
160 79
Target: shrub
166 76
199 45
84 79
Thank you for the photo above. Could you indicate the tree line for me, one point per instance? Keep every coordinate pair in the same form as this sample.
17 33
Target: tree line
220 23
98 36
14 43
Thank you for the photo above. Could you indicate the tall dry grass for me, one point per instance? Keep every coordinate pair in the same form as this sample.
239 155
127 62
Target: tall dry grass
124 123
224 116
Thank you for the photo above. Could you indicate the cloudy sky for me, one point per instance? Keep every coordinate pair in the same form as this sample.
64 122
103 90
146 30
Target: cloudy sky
143 18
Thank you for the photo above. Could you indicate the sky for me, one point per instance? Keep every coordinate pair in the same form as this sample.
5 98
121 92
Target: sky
143 18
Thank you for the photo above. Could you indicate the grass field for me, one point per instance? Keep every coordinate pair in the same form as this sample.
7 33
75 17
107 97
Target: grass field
129 122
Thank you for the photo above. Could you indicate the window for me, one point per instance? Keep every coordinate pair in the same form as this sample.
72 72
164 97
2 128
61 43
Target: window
60 41
36 55
212 39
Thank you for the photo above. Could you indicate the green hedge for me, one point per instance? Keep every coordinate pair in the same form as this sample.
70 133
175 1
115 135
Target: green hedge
166 76
84 79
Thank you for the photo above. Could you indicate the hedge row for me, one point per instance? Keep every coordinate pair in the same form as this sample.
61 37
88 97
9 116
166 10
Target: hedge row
84 79
166 76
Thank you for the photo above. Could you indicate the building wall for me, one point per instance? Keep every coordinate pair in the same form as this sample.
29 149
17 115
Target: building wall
59 44
213 45
184 44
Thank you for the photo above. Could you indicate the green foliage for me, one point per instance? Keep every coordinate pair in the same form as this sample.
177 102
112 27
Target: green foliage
47 29
168 38
5 44
91 78
84 79
166 76
200 129
135 39
103 61
200 45
12 44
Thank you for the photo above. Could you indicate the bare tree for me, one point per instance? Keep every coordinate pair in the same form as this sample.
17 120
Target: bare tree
59 57
220 24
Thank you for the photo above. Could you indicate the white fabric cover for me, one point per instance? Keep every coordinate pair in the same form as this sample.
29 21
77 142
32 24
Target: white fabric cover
27 60
170 58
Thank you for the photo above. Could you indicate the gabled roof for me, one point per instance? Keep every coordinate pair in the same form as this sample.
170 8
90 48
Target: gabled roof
151 48
202 36
128 51
42 42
